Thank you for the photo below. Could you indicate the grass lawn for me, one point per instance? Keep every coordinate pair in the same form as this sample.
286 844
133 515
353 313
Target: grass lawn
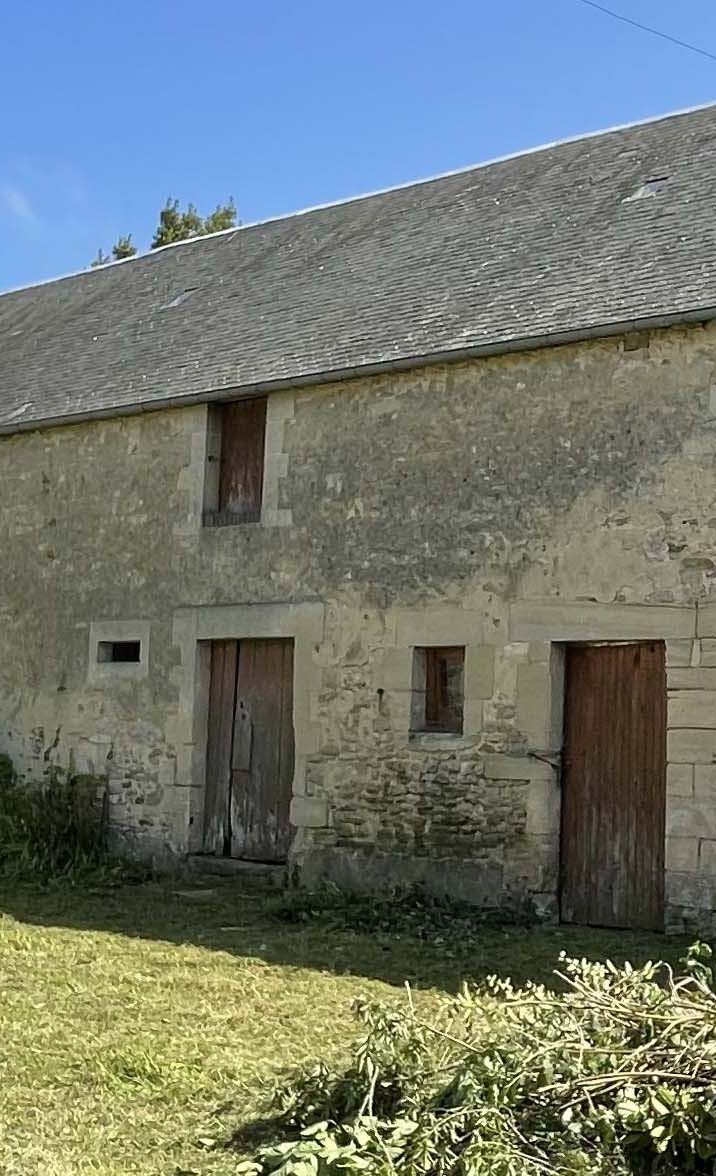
139 1029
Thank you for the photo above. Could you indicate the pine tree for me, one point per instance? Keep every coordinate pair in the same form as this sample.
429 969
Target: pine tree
223 217
175 224
123 248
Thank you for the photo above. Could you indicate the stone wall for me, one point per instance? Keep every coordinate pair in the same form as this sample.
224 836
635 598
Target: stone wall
691 777
493 504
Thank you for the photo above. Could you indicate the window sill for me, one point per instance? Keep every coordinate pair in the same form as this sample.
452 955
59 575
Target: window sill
115 673
226 518
439 740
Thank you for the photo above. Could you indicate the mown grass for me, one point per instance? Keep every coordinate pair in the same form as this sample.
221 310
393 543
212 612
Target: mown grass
140 1029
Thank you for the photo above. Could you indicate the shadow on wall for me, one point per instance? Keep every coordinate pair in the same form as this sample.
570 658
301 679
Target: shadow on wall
243 923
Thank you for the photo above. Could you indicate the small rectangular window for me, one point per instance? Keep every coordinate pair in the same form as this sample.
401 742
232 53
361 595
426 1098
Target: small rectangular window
118 651
438 689
242 429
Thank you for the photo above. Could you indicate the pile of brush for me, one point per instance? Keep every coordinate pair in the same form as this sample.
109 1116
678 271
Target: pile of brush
615 1074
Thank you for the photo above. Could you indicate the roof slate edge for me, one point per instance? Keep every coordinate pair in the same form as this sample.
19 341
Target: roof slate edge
283 216
695 316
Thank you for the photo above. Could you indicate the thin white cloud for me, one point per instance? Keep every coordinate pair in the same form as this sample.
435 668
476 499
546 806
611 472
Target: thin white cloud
14 201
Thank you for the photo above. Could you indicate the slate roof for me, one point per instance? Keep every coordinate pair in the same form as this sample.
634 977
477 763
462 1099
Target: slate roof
525 251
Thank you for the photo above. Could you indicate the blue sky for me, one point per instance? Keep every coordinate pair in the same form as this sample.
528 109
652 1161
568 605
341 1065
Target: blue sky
108 108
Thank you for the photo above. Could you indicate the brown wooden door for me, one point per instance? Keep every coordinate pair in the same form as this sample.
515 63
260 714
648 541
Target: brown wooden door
250 750
614 786
222 695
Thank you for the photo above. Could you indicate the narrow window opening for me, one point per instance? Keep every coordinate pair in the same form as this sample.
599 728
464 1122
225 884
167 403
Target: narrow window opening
438 689
242 431
118 651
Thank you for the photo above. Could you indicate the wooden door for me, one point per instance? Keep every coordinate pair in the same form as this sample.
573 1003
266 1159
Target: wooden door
262 762
250 750
614 786
222 697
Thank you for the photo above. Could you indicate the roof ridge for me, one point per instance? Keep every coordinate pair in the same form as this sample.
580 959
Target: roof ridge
110 265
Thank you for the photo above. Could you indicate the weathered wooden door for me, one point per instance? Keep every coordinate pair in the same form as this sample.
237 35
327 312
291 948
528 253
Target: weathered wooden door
614 786
249 769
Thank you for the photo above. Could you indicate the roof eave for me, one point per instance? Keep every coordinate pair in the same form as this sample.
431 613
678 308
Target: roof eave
697 315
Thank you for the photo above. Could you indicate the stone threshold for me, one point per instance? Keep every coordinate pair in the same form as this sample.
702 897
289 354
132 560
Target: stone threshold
268 873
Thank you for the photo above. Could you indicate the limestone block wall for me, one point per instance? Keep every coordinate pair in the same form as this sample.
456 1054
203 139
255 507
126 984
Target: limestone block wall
691 728
476 814
479 814
508 505
691 777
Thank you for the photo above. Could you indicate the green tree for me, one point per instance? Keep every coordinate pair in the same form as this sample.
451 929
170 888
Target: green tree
123 248
223 217
175 224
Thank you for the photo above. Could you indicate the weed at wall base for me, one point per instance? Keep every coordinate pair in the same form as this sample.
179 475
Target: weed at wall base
404 910
54 829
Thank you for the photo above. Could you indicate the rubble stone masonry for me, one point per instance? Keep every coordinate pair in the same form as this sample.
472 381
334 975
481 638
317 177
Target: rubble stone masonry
508 505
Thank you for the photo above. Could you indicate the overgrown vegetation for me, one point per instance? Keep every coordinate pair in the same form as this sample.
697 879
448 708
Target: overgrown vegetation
54 829
616 1075
409 910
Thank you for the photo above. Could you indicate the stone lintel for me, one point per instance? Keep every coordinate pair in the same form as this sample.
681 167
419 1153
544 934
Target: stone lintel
557 620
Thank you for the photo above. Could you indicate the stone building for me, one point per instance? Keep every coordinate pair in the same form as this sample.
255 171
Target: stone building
310 528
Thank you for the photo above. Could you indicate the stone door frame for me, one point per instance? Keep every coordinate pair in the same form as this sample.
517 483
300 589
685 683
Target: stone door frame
688 633
193 630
